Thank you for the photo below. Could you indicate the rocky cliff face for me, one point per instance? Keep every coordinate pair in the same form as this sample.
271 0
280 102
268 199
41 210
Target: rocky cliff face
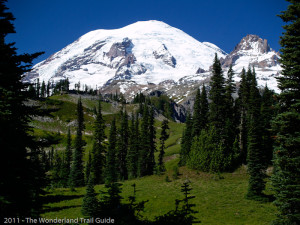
254 49
253 42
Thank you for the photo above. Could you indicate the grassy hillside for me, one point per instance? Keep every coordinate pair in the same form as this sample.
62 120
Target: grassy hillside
218 201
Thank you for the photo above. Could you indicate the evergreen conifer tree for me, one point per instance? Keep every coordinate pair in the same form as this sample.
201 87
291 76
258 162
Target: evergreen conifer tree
230 130
76 174
19 174
197 115
98 151
267 114
186 141
152 144
164 135
38 88
243 102
88 166
229 90
217 97
48 89
111 173
43 90
132 156
145 145
67 160
181 215
286 126
90 204
187 206
57 169
122 145
206 152
203 108
255 159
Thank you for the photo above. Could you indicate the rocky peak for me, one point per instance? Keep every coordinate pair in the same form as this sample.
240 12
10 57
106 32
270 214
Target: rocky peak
254 43
253 50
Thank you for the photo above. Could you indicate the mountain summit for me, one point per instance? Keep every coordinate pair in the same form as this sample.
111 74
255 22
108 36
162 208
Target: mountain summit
255 52
144 53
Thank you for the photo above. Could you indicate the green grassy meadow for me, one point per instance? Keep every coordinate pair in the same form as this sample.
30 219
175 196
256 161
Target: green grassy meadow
218 201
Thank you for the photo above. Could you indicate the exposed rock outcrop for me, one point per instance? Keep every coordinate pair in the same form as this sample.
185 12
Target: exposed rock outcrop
165 55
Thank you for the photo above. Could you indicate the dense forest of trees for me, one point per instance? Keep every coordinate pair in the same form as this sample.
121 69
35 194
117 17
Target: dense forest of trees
224 132
258 128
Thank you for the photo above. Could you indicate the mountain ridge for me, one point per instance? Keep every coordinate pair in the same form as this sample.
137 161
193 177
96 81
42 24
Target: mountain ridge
151 52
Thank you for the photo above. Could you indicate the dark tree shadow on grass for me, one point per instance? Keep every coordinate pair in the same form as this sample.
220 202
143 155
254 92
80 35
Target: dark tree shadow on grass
56 209
58 198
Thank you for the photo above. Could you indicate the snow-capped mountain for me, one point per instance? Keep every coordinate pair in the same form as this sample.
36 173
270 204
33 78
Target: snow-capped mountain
254 51
150 55
144 52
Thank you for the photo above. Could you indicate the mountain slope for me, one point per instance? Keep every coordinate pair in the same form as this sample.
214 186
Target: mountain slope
150 55
144 52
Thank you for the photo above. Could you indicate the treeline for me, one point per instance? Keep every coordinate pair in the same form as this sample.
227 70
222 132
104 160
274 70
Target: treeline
128 153
224 132
161 102
42 90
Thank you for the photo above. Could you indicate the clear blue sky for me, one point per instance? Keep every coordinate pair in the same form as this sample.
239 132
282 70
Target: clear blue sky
50 25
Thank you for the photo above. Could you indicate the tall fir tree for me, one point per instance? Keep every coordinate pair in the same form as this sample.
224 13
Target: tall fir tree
57 169
186 141
48 89
144 144
286 126
203 108
111 170
122 145
217 97
132 156
230 130
243 102
38 88
98 151
197 115
229 90
152 143
267 114
67 160
76 174
164 135
43 90
20 181
88 167
255 159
